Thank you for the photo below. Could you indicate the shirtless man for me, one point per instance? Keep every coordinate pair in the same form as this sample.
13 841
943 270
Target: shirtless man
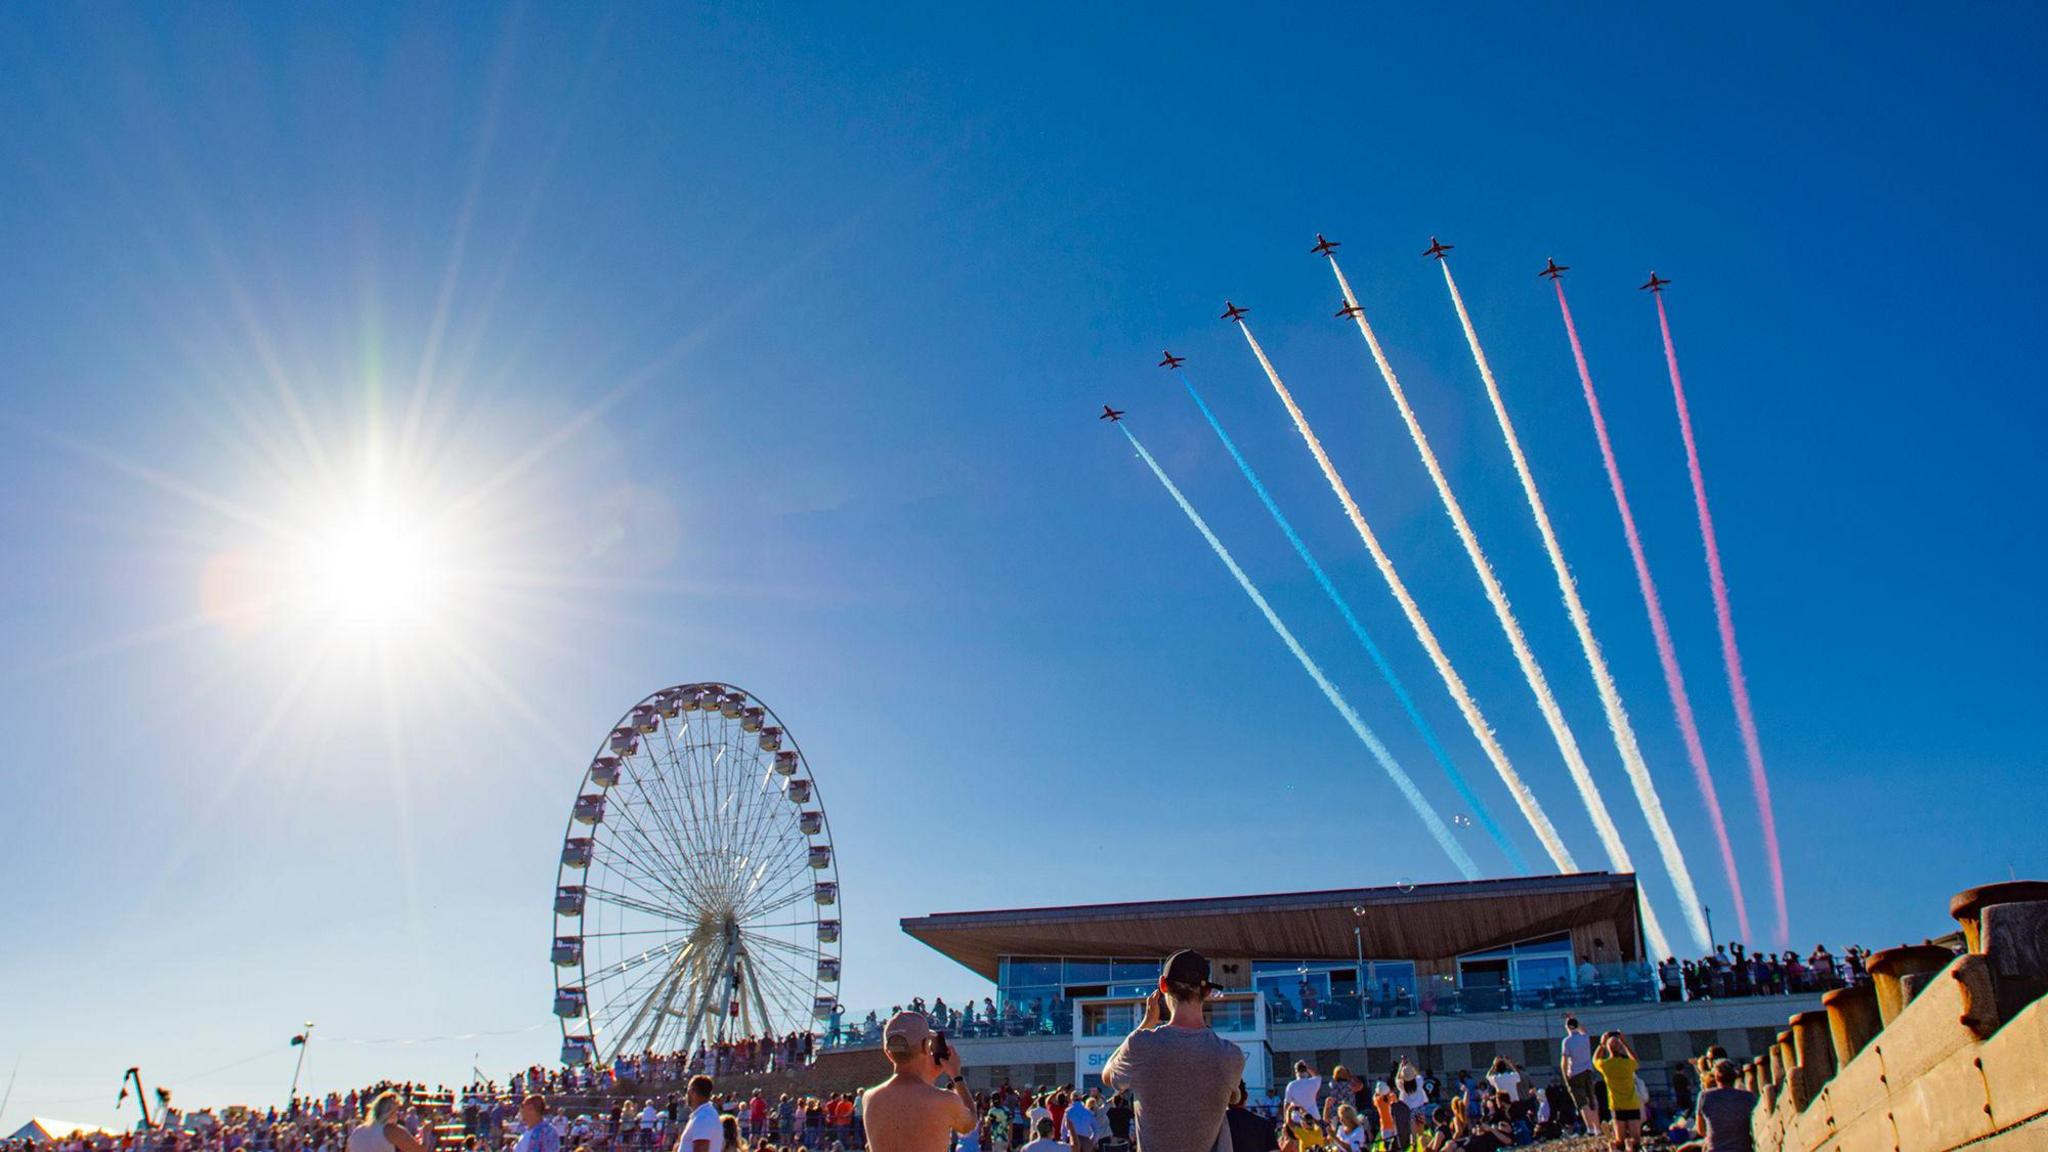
906 1112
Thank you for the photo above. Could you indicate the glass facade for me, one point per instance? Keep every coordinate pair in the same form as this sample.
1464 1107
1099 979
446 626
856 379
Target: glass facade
1035 994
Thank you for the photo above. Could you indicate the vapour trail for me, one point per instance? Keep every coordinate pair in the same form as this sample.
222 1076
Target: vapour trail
1422 726
1546 702
1667 653
1603 680
1455 684
1416 799
1731 656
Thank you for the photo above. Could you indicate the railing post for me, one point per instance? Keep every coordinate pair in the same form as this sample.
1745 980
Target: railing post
1889 969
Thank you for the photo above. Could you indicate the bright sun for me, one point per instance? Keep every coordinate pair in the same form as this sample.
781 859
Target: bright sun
374 568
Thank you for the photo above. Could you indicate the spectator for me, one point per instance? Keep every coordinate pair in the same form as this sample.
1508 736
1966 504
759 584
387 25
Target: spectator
1576 1064
703 1131
1118 1117
1082 1125
1302 1090
1249 1131
1044 1141
1617 1067
1725 1111
907 1112
380 1130
538 1135
1180 1076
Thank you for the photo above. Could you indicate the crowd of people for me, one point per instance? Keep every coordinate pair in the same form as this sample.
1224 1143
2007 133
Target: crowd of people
1734 971
1731 971
1171 1076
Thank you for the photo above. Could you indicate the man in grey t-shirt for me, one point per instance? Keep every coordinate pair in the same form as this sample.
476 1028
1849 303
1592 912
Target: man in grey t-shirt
1181 1075
1725 1112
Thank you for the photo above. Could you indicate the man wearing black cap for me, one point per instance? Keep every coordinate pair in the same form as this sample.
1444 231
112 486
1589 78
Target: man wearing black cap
1181 1076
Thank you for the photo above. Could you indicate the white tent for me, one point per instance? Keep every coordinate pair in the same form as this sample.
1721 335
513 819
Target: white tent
43 1130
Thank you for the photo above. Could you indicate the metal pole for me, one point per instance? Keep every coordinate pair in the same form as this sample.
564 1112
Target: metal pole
1358 974
305 1041
1709 913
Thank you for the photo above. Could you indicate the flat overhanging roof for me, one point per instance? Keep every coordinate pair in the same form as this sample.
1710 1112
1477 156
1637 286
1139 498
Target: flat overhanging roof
1421 922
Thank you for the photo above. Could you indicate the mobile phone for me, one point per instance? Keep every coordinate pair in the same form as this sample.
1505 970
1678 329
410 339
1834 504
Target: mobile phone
939 1049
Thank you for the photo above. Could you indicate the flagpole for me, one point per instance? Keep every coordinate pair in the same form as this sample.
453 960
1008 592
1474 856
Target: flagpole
304 1039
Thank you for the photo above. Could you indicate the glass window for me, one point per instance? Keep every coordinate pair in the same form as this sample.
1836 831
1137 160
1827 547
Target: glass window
1087 971
1126 970
1231 1015
1036 970
1539 973
1108 1019
1390 980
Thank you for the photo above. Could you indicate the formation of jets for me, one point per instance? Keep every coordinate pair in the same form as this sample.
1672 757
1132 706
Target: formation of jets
1325 247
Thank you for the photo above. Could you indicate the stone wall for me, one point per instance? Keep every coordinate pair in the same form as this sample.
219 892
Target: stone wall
1938 1051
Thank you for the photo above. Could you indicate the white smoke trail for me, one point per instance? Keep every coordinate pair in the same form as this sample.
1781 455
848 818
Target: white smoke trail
1455 684
1416 800
1497 597
1603 680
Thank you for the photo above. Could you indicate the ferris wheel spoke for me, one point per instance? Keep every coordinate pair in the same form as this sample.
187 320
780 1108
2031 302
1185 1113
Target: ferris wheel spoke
666 912
635 873
683 879
628 932
784 902
632 962
769 830
674 765
629 995
762 938
662 987
686 863
790 989
785 881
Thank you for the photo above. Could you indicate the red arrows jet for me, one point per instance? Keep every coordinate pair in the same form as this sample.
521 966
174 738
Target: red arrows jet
1350 309
1171 362
1111 414
1324 247
1437 248
1553 269
1656 284
1232 311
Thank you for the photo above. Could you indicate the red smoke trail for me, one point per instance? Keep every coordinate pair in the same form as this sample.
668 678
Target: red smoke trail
1731 657
1674 678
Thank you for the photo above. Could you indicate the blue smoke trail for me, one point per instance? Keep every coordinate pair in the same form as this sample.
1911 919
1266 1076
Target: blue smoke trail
1436 748
1416 799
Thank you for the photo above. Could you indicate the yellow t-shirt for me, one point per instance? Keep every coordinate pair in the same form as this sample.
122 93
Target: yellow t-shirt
1308 1136
1620 1074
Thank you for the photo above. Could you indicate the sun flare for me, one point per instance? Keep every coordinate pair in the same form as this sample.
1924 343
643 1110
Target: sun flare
373 567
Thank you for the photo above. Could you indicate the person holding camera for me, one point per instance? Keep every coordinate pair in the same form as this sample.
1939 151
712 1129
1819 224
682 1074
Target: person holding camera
908 1112
1181 1075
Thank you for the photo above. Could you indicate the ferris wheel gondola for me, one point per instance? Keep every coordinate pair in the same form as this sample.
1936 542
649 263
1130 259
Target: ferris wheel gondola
697 894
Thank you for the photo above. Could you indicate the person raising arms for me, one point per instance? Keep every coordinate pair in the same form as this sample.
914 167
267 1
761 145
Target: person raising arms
1181 1074
907 1112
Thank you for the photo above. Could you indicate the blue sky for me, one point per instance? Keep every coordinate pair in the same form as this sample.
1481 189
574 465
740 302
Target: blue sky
778 337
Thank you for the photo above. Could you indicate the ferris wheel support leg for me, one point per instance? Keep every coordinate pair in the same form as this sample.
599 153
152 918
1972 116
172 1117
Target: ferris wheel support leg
704 1000
754 986
671 982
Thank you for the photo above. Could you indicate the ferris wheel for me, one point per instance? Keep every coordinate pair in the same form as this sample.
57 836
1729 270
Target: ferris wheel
697 895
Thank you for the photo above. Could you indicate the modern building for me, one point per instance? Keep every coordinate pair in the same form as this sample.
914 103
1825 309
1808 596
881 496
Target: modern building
1449 975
